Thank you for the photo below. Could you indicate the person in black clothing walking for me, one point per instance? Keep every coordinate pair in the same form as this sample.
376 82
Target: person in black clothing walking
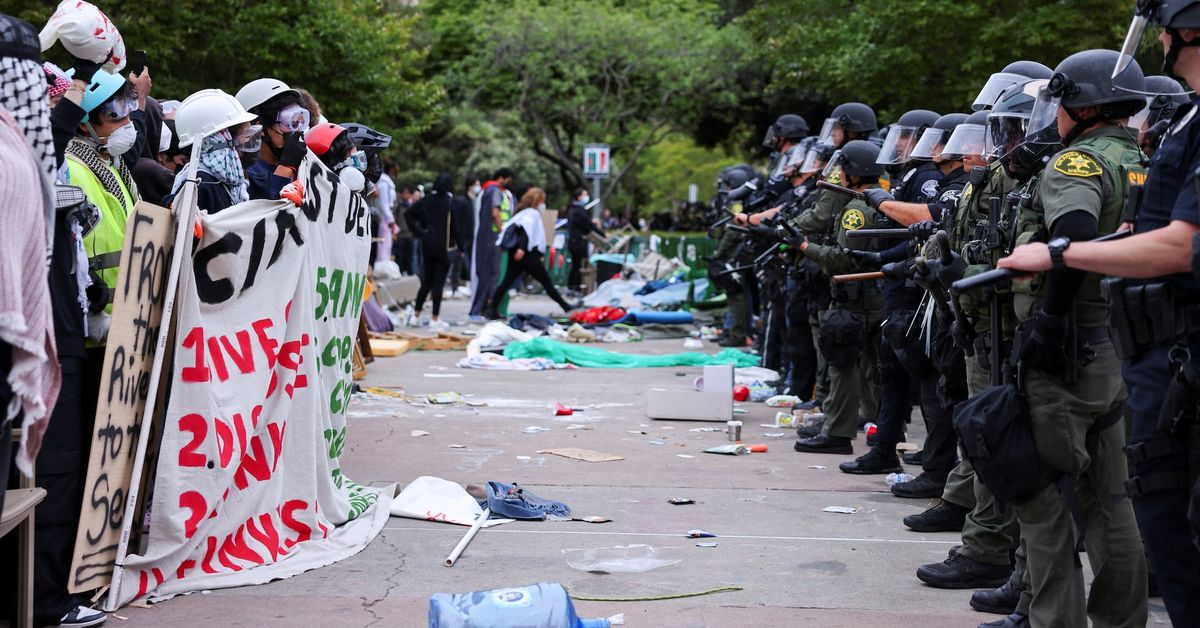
524 239
463 210
579 225
432 221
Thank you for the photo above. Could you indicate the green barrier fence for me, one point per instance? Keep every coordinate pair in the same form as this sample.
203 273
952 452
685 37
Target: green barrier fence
690 248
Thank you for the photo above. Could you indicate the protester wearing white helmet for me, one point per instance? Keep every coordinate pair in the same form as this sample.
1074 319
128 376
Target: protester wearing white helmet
225 128
284 122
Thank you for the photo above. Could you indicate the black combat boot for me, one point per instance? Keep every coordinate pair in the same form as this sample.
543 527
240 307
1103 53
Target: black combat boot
872 463
960 572
1002 600
822 444
923 485
1015 620
944 517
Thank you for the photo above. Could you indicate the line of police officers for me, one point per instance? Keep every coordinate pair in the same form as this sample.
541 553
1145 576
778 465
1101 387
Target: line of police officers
979 266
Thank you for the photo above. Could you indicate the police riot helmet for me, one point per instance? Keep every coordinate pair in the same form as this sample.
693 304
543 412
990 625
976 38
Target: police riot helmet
1029 69
1084 80
851 117
789 126
816 157
1165 96
1015 72
902 136
934 138
734 177
1171 15
968 137
858 159
1009 117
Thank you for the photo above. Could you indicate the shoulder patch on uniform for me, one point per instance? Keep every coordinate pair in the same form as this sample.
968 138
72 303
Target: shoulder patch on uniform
853 219
930 188
1076 164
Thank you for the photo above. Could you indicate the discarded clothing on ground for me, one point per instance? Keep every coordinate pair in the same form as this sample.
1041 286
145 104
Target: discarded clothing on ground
494 335
515 502
626 293
529 322
434 499
561 352
377 319
497 362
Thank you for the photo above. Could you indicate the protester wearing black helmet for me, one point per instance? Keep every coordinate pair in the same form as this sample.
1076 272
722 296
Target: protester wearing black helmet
1162 353
849 333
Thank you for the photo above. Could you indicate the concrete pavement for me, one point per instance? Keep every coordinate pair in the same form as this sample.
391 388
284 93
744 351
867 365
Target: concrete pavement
799 566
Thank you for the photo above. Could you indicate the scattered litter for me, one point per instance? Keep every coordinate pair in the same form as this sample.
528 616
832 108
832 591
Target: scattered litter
842 510
680 501
458 446
534 429
657 442
693 343
668 427
524 458
576 426
420 433
680 374
706 545
445 398
774 434
897 478
443 375
741 411
477 404
741 392
563 410
514 500
736 449
699 534
637 558
586 455
786 419
706 429
782 401
758 449
449 500
635 431
684 456
817 466
497 362
541 604
591 519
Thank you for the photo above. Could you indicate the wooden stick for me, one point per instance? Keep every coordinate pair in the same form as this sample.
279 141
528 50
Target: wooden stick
858 277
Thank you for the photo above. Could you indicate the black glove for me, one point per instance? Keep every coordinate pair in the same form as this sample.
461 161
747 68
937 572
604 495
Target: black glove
898 270
293 150
964 335
922 231
866 258
84 69
1041 343
877 196
796 240
97 293
947 274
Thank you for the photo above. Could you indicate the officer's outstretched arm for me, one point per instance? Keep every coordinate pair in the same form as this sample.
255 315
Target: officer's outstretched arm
906 213
1154 253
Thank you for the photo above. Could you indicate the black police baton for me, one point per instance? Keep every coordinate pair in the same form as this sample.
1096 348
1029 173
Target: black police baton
844 191
996 275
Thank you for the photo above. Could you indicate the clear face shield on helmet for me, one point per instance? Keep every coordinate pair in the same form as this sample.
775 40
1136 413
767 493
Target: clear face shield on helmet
930 144
967 139
1134 38
1005 132
992 89
826 135
1138 120
898 145
831 167
814 160
1043 121
772 137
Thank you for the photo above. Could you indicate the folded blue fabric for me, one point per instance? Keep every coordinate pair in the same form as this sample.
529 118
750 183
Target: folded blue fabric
511 501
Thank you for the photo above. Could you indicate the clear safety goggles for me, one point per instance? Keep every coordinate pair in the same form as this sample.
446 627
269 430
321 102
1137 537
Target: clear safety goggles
1043 120
995 85
967 139
834 163
898 145
250 140
292 119
1005 132
118 108
930 144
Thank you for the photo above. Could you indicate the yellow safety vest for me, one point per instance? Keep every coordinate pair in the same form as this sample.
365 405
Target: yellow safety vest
109 234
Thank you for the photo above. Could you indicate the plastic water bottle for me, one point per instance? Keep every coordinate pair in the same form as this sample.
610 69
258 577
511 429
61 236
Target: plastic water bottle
542 604
897 478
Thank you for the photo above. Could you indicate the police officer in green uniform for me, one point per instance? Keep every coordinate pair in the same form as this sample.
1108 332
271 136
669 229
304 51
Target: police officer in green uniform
1160 344
1069 371
849 334
725 257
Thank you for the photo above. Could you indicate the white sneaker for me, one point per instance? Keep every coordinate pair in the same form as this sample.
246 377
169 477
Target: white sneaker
439 326
82 616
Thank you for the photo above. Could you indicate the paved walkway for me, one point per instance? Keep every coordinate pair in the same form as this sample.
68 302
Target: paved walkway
799 566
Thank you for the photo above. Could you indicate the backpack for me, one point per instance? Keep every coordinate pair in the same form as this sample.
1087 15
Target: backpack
840 336
996 435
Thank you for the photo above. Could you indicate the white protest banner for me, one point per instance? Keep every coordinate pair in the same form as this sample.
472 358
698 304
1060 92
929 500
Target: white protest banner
249 488
129 353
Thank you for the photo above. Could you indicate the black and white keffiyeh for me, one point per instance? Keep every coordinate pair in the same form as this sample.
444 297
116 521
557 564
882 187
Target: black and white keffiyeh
23 93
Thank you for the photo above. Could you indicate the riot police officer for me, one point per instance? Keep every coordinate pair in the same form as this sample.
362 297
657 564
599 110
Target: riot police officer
1166 96
849 329
725 257
1161 346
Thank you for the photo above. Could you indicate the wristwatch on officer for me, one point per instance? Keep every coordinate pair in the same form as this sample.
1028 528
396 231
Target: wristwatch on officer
1057 247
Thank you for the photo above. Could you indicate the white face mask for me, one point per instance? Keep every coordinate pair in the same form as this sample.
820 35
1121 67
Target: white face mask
353 178
121 140
585 199
542 207
476 190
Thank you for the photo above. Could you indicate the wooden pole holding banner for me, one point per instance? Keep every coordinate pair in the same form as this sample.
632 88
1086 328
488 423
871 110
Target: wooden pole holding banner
185 217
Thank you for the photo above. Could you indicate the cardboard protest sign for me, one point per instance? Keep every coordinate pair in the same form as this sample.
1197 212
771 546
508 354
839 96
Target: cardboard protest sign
249 487
136 315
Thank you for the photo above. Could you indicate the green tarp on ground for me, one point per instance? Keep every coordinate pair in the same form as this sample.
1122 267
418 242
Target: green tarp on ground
579 355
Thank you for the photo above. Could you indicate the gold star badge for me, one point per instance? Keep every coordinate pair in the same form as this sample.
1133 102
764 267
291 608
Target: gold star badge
853 219
1076 164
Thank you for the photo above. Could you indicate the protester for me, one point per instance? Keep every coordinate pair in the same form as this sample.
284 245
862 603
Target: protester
495 207
284 122
463 212
432 220
333 146
225 130
403 242
579 225
523 237
384 202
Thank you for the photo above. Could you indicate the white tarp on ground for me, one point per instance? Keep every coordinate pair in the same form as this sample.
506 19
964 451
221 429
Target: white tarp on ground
249 487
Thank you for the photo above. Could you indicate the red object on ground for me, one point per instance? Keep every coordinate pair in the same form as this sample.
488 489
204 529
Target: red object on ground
758 449
561 410
595 315
871 429
741 392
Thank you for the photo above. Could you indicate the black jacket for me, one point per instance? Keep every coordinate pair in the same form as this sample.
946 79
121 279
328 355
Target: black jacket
432 220
579 222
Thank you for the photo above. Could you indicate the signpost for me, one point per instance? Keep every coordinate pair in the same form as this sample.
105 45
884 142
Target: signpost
596 167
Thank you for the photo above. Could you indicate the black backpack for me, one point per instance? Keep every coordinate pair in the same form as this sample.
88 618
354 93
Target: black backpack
840 336
997 438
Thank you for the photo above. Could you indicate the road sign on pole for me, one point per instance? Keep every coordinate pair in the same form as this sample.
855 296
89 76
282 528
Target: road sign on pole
595 161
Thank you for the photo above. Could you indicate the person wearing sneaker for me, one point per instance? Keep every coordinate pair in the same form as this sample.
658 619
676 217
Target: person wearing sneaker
524 239
849 333
432 221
